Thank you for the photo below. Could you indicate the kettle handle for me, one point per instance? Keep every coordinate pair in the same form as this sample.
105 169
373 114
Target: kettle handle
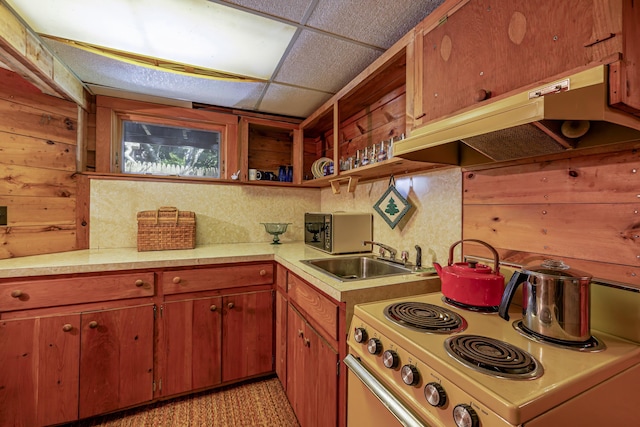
496 258
509 291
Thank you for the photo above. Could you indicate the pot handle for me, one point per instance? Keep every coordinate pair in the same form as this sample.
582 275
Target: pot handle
515 281
496 258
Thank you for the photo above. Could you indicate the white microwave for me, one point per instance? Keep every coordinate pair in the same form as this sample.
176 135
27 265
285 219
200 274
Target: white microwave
338 232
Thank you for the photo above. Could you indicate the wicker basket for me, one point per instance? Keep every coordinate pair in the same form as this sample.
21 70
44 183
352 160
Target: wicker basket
166 228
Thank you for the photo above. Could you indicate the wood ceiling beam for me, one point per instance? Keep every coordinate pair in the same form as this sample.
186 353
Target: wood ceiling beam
22 51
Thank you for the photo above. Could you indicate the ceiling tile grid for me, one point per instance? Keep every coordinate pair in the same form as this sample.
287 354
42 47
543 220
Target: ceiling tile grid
324 63
334 40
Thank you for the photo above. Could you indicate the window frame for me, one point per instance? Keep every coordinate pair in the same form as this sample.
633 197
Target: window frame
110 112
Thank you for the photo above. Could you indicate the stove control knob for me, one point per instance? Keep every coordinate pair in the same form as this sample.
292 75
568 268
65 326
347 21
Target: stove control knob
390 359
465 416
360 335
410 375
374 346
435 394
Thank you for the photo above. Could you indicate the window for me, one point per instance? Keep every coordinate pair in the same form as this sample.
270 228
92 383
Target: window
156 149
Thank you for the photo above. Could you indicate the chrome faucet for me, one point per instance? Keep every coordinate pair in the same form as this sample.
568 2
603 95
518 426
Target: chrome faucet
383 247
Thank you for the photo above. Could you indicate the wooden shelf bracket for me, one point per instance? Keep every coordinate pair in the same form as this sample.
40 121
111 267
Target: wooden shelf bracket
351 184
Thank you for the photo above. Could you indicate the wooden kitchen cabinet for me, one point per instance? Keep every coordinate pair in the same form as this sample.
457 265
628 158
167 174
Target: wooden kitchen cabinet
62 367
479 50
39 380
268 144
116 359
247 335
217 326
312 374
374 107
192 344
70 348
313 343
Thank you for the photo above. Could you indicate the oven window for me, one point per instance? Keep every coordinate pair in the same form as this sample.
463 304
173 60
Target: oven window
155 149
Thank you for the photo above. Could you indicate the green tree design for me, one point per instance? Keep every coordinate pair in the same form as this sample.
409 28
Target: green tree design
392 208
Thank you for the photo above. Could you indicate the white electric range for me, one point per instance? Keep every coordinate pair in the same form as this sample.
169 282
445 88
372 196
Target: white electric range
447 378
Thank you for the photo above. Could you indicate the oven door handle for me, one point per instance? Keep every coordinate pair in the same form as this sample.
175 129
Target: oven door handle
386 398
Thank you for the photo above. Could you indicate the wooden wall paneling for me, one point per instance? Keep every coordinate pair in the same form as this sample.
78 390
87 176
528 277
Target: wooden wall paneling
609 178
83 212
26 181
23 241
23 92
584 210
39 142
34 211
36 152
27 120
599 232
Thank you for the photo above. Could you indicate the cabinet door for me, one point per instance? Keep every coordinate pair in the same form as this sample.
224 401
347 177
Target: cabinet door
498 47
192 344
116 359
247 335
311 372
281 338
39 374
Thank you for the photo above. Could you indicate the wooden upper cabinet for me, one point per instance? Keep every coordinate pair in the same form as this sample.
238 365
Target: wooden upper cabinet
484 49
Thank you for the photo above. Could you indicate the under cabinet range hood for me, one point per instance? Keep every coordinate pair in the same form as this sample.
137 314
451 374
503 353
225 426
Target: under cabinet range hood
572 113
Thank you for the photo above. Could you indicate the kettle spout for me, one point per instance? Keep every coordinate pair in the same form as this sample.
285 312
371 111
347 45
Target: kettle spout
438 268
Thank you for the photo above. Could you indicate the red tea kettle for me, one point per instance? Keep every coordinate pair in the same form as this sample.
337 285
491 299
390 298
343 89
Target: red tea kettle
471 283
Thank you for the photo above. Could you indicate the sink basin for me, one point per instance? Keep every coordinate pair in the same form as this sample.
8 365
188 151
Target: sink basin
360 267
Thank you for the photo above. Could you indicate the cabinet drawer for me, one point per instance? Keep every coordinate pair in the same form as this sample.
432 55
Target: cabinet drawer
204 279
318 307
24 295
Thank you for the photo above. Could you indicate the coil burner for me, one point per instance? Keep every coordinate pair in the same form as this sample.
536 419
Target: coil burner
425 317
493 357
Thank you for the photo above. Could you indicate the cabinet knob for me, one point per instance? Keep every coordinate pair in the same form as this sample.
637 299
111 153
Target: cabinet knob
16 294
482 94
93 324
263 272
139 282
67 327
213 307
231 305
177 280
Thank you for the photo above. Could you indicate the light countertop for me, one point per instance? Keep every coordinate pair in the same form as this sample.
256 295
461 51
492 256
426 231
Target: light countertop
287 254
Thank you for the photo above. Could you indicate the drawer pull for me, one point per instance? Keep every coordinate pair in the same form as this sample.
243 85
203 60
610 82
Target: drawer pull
177 280
300 333
213 308
263 272
307 342
139 282
93 324
16 294
230 305
67 327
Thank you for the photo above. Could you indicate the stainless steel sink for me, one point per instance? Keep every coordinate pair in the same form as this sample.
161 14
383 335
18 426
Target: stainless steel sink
359 267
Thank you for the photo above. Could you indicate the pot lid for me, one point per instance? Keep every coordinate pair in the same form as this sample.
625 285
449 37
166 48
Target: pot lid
556 268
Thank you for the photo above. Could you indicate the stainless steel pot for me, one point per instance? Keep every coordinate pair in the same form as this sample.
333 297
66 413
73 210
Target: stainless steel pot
556 301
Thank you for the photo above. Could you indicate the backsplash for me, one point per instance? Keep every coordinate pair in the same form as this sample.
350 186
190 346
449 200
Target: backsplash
233 213
224 213
433 223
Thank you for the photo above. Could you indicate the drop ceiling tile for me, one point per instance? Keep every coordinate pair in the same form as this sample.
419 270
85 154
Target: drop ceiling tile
324 63
102 71
376 22
292 10
292 101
